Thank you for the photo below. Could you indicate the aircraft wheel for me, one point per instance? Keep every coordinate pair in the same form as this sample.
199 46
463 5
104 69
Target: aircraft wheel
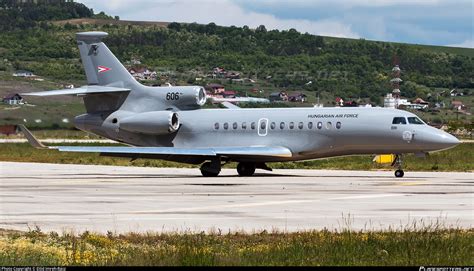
246 169
206 170
399 173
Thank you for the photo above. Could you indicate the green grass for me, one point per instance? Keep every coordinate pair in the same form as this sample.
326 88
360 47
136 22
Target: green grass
427 246
456 159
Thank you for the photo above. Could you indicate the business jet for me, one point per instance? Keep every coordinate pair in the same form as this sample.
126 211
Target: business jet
169 123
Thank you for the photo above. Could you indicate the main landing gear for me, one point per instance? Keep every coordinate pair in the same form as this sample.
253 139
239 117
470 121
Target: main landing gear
211 169
245 169
399 173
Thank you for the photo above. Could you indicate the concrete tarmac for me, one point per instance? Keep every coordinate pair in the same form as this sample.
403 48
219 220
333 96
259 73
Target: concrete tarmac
121 199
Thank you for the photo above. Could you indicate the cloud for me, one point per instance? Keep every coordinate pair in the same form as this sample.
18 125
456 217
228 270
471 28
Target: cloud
465 44
221 12
358 3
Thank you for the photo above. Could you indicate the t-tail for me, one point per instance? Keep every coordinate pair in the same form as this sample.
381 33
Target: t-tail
100 64
109 82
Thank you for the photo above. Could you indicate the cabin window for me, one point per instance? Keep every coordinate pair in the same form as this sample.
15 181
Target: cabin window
263 125
282 125
320 125
253 125
292 125
399 120
414 120
310 125
216 126
244 125
272 126
226 126
235 125
300 125
338 125
328 125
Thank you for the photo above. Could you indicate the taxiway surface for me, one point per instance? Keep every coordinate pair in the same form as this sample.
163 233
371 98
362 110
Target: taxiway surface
107 198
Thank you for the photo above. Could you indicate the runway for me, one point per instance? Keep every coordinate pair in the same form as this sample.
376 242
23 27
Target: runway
121 199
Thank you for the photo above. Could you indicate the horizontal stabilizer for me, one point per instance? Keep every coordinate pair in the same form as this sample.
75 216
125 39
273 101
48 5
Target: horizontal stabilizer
85 90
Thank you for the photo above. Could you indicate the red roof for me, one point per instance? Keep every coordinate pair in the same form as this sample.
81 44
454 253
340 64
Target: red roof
229 92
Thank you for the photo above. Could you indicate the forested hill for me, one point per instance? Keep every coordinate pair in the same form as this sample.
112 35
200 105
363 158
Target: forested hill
283 59
16 14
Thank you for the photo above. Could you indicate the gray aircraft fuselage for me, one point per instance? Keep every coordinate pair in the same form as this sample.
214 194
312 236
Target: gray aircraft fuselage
309 133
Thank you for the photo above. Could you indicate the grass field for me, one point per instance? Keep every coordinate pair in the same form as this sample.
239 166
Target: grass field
428 246
456 159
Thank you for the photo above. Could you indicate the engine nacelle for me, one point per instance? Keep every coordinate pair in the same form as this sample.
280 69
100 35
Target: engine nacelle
153 123
186 97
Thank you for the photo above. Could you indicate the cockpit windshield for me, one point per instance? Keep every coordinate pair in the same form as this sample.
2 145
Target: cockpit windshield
399 120
415 120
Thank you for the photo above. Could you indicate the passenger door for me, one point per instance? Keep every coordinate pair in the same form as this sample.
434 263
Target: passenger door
262 127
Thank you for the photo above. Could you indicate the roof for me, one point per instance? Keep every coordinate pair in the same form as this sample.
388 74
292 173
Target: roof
456 103
23 71
213 85
229 92
11 96
420 101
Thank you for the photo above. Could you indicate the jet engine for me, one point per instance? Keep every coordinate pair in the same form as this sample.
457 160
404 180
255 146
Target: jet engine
187 97
153 123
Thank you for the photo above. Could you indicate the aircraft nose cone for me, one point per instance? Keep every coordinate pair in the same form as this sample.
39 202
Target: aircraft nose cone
445 140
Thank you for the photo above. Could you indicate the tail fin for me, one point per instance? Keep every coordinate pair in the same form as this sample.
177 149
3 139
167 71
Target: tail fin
101 66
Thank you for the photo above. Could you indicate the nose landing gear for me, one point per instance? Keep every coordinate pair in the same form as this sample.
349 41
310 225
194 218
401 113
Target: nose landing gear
399 173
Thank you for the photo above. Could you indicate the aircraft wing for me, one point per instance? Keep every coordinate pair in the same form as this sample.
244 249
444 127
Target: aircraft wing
166 151
162 152
85 90
230 105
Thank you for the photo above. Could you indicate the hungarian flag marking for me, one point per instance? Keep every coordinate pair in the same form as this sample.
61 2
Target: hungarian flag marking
102 69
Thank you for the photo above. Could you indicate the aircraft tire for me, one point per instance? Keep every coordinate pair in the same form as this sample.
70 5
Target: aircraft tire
208 173
399 173
246 169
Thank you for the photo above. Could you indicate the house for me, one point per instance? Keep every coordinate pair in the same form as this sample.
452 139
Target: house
339 101
455 92
229 94
297 97
142 73
23 73
278 96
13 99
215 88
351 104
8 130
458 105
218 72
420 101
232 75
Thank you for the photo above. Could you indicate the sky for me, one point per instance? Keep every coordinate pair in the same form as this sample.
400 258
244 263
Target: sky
431 22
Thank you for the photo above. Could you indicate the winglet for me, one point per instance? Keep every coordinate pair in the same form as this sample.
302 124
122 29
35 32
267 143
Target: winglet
31 138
